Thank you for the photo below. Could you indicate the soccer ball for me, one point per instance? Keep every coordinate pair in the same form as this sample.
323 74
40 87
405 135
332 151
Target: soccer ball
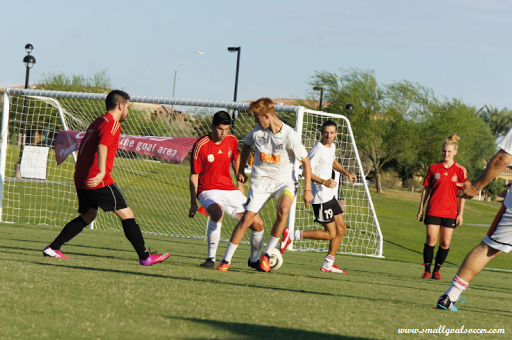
276 259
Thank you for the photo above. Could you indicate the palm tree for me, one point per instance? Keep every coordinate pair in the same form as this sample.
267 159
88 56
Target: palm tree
498 120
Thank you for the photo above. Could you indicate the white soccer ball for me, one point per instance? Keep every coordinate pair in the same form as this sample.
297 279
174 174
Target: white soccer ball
276 259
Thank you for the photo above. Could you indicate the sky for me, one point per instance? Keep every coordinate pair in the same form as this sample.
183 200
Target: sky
459 48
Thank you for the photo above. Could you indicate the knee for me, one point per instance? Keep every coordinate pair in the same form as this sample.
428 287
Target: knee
331 235
257 225
444 244
282 212
431 241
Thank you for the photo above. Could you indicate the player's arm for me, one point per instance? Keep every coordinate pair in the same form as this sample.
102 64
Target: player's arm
193 181
306 171
102 166
460 214
496 165
338 167
424 196
246 150
235 164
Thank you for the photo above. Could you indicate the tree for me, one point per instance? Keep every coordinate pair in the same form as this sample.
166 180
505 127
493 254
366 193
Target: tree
452 116
495 188
498 120
384 116
99 83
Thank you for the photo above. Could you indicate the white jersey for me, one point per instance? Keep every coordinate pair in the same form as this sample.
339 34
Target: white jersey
275 154
321 158
506 145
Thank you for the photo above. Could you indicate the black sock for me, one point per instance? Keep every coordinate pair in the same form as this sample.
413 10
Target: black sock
71 229
440 257
428 256
134 235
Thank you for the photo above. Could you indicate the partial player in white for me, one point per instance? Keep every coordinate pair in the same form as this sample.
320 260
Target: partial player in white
211 183
327 209
277 147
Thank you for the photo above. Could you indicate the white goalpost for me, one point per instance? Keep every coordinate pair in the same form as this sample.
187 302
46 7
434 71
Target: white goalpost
152 168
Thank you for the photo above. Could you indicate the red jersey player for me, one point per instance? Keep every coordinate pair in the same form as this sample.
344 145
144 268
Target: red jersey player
211 182
95 186
444 210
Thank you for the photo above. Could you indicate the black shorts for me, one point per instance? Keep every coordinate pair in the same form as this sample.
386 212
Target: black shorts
445 222
108 198
325 212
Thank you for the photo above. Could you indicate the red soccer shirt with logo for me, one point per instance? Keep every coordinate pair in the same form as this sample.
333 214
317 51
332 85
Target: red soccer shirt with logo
104 130
212 163
442 182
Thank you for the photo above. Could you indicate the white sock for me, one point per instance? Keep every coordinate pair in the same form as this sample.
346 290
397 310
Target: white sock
213 238
457 287
230 252
329 261
257 238
272 243
297 235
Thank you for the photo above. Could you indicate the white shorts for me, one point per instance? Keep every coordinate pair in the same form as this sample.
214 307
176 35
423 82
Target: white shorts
260 194
499 235
232 201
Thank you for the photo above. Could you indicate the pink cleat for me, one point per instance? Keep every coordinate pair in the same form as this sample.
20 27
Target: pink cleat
332 269
49 252
154 258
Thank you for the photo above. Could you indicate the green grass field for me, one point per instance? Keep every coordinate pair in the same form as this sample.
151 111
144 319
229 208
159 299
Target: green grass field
102 292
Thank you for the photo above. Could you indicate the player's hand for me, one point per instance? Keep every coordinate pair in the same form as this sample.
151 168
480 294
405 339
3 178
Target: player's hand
330 183
420 215
240 187
193 209
308 197
459 220
352 178
468 192
242 177
93 182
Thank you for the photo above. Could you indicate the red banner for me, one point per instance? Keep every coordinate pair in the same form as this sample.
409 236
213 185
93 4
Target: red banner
171 148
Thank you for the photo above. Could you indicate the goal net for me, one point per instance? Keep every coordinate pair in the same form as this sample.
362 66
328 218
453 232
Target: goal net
34 189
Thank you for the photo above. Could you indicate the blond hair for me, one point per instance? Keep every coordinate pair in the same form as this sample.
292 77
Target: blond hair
453 139
262 106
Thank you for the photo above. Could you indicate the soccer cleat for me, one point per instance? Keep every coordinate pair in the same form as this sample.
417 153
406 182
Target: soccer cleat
444 302
436 276
426 275
209 263
255 265
286 240
223 266
265 262
154 258
49 252
333 269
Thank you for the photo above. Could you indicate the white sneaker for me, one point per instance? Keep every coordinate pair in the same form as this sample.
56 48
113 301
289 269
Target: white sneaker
332 269
54 253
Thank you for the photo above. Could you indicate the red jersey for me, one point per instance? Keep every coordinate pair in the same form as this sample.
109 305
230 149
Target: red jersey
104 130
212 163
442 182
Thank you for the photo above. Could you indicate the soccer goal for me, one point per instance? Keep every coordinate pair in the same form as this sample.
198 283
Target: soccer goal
42 128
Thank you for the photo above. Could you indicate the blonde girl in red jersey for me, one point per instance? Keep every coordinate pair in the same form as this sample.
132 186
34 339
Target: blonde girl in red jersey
444 210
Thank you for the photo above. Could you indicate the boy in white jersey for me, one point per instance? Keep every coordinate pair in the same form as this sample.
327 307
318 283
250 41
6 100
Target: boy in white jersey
277 147
325 205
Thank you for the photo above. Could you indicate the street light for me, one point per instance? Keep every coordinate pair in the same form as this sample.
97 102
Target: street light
349 108
321 89
233 50
176 72
29 61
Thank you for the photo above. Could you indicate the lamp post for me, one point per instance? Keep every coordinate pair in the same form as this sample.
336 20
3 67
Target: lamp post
349 108
321 89
238 50
29 61
176 72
